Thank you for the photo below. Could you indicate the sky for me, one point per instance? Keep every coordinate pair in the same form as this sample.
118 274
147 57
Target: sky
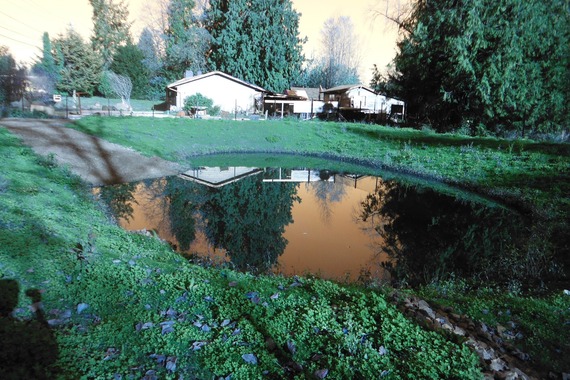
23 22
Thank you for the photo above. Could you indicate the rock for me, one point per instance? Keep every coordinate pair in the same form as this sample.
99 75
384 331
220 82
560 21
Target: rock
423 306
521 374
498 365
250 358
486 354
501 329
447 326
122 107
81 307
459 331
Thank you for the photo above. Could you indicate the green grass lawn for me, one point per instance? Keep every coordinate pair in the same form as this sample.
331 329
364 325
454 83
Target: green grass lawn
123 304
530 174
136 104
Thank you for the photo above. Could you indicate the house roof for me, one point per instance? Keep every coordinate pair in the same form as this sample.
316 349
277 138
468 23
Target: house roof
311 92
194 78
347 87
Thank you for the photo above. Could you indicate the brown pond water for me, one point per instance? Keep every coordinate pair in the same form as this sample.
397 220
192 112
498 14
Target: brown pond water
325 235
334 225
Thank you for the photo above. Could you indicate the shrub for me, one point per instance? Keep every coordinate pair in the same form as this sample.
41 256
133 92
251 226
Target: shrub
199 100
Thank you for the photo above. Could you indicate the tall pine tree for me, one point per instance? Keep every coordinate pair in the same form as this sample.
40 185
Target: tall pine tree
45 70
128 62
502 65
186 40
111 28
256 40
81 67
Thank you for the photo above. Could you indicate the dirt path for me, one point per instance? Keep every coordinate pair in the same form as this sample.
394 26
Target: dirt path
97 161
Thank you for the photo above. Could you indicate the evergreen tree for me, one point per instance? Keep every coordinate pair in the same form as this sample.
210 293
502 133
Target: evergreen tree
81 67
7 68
186 40
46 64
150 51
256 40
45 70
153 63
500 65
128 62
111 28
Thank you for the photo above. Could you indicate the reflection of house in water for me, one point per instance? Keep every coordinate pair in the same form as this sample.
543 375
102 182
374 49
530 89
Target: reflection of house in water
300 175
363 182
219 176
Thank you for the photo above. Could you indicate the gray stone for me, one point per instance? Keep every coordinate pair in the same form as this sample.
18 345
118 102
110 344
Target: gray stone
498 364
424 306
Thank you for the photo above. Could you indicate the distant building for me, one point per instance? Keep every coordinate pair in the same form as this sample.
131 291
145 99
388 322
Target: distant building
298 101
354 102
232 95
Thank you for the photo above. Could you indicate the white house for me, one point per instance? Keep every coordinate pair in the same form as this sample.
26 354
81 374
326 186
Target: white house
232 95
295 101
363 99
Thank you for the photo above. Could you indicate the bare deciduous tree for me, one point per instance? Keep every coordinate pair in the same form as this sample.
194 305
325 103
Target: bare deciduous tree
397 12
340 48
122 86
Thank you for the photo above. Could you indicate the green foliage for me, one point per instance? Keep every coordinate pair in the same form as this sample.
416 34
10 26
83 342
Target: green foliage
501 64
12 78
80 66
153 63
122 304
128 62
187 42
110 28
199 100
545 338
46 67
105 86
256 41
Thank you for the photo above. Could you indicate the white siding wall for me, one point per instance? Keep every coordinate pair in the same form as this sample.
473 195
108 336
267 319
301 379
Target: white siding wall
391 101
372 102
224 92
362 98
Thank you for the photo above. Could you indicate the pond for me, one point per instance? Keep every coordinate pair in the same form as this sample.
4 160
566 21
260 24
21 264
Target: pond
334 224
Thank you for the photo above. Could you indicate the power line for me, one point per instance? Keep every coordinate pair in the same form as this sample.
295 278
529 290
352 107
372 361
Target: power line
22 42
13 31
31 27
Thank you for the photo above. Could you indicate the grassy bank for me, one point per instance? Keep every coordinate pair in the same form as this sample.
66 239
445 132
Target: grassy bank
122 305
530 174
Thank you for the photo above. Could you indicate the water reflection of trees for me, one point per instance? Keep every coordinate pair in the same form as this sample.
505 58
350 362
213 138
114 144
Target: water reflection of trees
120 199
326 193
429 236
184 199
248 219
